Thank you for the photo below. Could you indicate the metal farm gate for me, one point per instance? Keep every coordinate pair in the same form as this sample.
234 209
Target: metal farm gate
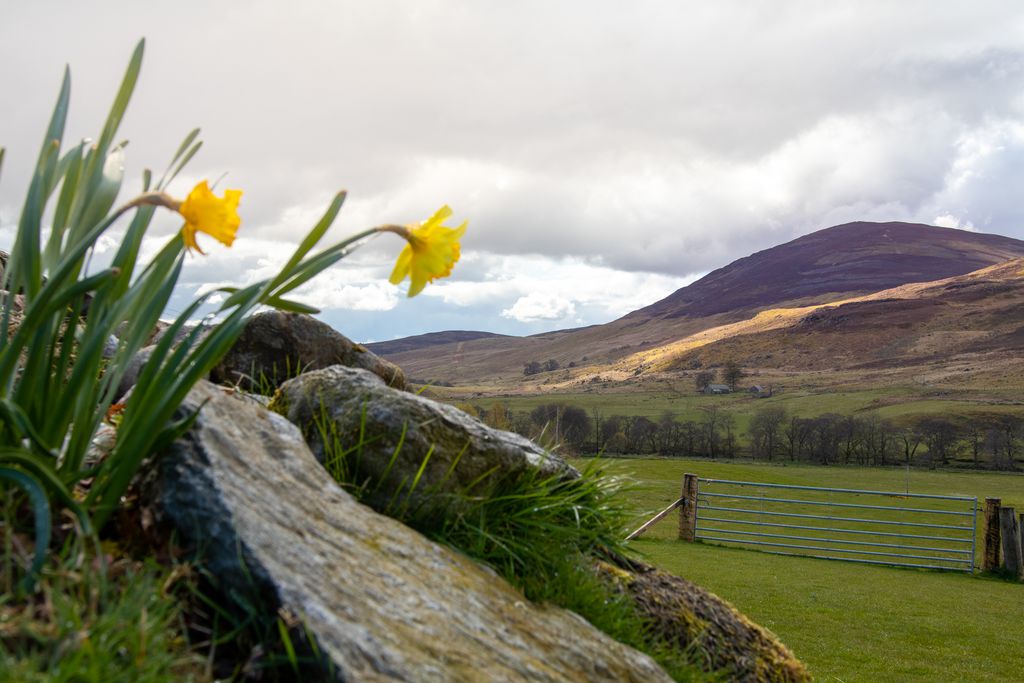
871 527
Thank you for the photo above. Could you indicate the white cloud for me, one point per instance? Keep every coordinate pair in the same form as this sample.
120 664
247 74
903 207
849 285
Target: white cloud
330 292
948 220
540 306
599 291
601 179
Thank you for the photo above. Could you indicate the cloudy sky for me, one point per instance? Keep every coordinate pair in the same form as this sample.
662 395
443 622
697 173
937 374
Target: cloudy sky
604 153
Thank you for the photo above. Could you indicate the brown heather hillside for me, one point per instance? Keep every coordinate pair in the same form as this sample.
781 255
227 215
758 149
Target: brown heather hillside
765 309
967 329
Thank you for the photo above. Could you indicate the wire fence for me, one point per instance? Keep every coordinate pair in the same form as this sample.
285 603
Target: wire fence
870 527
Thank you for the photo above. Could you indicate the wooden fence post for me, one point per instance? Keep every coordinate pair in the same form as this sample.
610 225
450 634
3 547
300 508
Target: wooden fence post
990 552
1020 539
688 508
1011 540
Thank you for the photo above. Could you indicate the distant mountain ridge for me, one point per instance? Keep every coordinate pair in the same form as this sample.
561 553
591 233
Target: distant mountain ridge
856 257
422 341
830 265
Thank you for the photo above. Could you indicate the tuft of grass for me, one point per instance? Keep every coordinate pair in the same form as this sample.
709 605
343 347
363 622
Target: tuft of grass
89 621
259 382
243 636
530 522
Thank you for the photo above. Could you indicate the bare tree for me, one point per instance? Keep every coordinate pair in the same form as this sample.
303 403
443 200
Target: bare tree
732 373
711 423
796 433
911 438
940 436
765 431
728 423
703 378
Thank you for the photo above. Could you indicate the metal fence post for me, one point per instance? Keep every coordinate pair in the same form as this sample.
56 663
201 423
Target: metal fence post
688 508
990 550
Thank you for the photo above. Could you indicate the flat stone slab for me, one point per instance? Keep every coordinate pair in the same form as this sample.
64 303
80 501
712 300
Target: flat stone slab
383 602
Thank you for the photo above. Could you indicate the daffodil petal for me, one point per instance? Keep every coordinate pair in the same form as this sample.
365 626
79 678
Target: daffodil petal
439 216
188 235
431 252
401 265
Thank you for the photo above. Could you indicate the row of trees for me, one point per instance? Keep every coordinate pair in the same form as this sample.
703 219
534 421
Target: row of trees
992 440
773 434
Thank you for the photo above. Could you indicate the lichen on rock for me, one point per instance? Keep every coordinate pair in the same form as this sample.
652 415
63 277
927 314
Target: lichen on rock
687 616
400 437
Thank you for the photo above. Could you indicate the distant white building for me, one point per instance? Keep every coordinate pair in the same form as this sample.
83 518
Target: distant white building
717 389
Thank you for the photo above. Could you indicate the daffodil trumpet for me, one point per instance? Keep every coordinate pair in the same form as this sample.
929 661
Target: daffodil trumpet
202 210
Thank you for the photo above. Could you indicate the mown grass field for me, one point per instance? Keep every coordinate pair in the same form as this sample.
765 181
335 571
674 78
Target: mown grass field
850 622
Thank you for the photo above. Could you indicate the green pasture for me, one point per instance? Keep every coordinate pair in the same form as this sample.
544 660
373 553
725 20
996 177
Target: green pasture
846 621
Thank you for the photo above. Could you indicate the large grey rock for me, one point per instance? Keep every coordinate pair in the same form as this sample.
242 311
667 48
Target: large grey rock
354 405
133 370
277 345
383 603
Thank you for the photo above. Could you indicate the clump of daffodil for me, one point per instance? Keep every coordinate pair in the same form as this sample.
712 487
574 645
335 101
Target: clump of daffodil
203 211
431 250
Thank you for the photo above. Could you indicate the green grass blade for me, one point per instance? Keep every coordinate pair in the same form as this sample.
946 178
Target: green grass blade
124 94
22 427
189 139
41 511
25 263
55 129
291 306
181 164
312 267
311 240
289 648
72 172
52 298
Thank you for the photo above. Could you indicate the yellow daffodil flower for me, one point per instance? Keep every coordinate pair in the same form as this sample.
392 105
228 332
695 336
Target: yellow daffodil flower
431 251
205 212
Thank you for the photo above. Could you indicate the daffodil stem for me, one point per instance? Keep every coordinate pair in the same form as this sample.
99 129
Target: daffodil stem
399 230
150 199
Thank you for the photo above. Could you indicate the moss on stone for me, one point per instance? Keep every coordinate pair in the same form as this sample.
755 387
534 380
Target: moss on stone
279 403
685 615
